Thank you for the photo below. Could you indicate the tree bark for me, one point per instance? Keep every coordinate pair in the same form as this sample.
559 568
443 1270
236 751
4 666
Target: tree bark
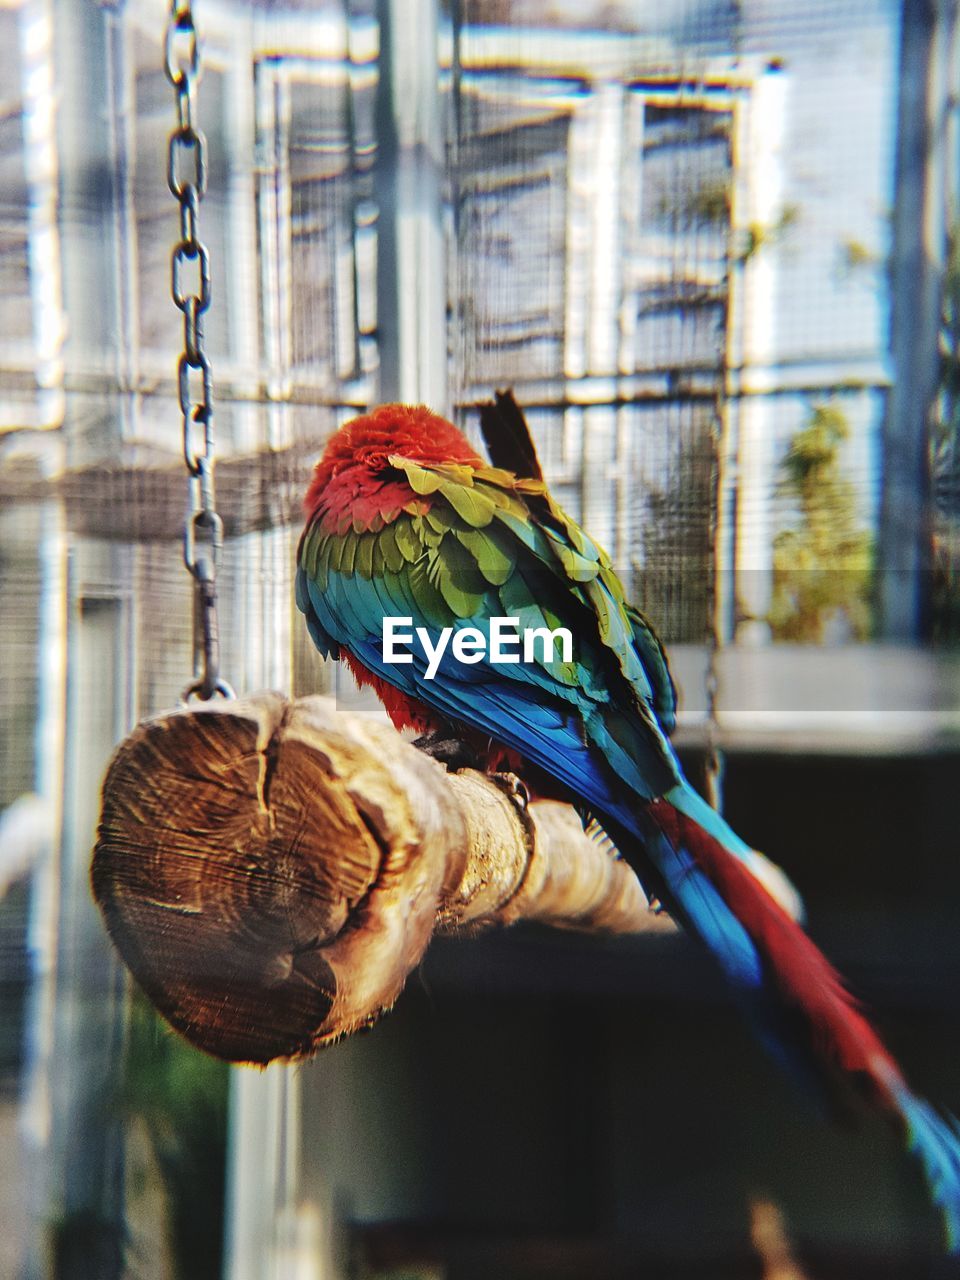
271 871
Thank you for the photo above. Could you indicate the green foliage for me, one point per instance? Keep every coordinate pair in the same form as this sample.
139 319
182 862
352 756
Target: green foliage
821 567
945 456
760 235
855 258
181 1095
696 204
710 202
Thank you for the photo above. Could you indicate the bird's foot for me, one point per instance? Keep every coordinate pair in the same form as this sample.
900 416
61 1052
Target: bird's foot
453 753
514 786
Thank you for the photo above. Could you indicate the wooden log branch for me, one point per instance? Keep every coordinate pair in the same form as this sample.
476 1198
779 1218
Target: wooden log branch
271 871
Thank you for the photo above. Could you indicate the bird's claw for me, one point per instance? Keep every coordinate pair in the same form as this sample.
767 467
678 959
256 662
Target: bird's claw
514 786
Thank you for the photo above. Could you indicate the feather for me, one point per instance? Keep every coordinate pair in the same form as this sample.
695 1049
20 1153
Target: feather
348 553
409 546
363 564
470 503
428 602
507 437
492 553
392 555
454 571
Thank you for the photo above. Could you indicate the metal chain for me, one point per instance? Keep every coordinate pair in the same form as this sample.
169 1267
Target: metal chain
713 759
187 179
713 756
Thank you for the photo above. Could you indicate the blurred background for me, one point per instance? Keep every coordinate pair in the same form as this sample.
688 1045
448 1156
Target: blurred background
714 247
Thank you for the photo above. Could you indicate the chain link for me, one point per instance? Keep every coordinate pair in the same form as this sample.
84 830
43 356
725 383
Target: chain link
187 180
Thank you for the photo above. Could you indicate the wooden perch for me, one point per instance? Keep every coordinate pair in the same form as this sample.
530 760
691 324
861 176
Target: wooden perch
271 871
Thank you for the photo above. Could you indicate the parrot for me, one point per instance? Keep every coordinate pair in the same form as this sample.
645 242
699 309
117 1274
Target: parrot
406 520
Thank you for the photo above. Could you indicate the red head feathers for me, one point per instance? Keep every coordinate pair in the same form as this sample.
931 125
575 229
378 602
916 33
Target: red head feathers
354 477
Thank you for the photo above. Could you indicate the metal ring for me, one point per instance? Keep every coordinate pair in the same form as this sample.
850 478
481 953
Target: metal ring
186 93
195 567
189 214
192 329
179 73
187 139
202 411
220 686
187 252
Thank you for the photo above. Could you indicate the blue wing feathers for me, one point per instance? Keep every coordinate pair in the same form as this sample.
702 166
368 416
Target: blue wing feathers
598 725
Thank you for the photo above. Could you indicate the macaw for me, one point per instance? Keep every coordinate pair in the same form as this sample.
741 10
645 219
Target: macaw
406 520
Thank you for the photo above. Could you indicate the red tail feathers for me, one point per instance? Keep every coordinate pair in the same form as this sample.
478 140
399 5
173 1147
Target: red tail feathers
795 967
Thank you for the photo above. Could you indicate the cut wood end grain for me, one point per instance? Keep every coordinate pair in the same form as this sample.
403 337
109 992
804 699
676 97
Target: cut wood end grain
271 871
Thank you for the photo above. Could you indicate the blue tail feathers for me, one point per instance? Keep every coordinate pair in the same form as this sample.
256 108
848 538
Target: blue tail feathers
935 1141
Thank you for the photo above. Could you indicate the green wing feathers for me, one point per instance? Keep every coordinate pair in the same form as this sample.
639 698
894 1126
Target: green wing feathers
489 545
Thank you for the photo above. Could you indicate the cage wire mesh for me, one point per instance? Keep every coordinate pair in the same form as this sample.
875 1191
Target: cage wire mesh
591 231
599 220
667 229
